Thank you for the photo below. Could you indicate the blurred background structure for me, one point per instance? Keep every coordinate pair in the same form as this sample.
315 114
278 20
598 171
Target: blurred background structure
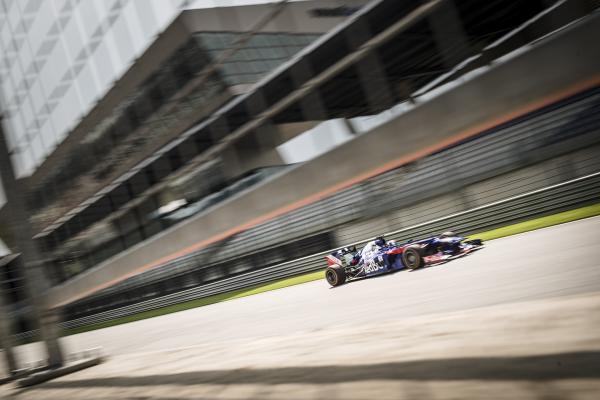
170 150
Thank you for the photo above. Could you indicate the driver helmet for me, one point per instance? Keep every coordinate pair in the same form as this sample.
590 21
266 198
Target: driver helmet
380 241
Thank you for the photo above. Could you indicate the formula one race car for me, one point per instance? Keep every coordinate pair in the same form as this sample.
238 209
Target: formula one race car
379 257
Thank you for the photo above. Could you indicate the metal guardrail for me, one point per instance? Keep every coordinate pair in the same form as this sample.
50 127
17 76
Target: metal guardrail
568 195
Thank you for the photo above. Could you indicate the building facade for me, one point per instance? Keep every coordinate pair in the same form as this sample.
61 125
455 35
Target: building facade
59 57
91 89
152 152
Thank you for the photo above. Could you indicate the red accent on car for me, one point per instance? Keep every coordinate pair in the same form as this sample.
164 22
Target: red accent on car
396 250
331 260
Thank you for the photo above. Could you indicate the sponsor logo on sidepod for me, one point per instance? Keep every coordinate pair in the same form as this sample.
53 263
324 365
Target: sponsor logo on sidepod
372 268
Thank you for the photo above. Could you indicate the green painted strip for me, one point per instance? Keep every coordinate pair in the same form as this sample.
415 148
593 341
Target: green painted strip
521 227
296 280
543 222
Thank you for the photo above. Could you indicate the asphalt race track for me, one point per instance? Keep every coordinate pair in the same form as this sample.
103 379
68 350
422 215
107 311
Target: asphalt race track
519 319
557 261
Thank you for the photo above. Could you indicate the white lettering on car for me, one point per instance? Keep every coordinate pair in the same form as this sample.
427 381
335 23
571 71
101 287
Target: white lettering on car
372 268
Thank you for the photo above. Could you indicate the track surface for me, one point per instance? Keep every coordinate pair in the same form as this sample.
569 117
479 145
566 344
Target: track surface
551 262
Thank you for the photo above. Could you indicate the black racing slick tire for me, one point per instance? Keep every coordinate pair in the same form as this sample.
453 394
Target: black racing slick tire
412 257
335 276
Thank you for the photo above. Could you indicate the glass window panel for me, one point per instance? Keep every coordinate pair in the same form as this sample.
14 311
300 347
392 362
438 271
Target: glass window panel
14 16
279 52
64 115
255 66
245 78
27 112
72 37
44 19
212 41
8 60
15 128
37 149
229 69
272 64
272 40
145 11
8 90
103 7
103 63
22 142
250 54
60 4
120 64
37 97
258 40
87 87
54 69
284 40
308 39
242 67
291 51
17 164
237 56
88 18
48 136
298 40
267 53
5 35
17 74
123 41
138 39
24 53
26 163
227 39
201 4
165 11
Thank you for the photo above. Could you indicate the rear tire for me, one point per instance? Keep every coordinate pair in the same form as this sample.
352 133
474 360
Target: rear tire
335 275
412 257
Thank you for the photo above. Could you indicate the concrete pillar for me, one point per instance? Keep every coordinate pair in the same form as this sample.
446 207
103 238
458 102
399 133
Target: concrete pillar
350 126
371 71
257 148
266 135
247 154
6 339
450 37
33 268
312 105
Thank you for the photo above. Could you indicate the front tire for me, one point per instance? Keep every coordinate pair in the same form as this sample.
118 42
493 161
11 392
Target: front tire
335 275
412 257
